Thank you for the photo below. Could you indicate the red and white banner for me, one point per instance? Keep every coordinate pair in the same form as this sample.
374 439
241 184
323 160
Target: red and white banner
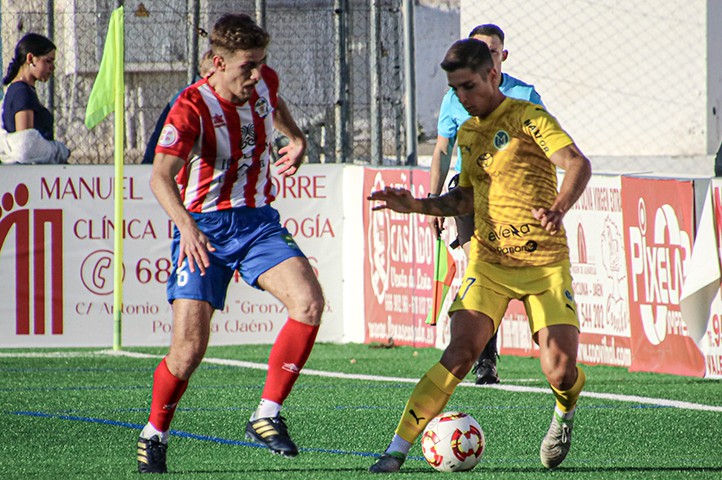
398 271
595 233
56 254
659 226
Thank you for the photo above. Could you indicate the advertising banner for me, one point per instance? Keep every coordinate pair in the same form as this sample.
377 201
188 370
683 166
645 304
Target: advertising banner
596 248
659 231
398 271
56 254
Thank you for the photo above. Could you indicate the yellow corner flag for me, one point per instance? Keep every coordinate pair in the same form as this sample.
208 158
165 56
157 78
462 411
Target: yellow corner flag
444 271
109 83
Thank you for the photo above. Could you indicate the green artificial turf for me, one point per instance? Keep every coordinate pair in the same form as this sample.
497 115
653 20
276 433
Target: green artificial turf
77 414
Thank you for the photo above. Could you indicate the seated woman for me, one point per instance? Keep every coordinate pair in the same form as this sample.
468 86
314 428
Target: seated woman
26 135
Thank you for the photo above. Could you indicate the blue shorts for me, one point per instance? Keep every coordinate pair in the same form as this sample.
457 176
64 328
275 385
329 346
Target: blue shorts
250 240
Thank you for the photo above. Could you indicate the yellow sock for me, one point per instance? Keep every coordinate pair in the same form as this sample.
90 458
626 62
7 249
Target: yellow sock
567 399
427 401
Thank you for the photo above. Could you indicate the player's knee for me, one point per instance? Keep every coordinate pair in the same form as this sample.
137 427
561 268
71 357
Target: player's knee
460 355
183 364
562 377
309 308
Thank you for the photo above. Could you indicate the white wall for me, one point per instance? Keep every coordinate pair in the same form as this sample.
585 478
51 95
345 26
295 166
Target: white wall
624 78
435 30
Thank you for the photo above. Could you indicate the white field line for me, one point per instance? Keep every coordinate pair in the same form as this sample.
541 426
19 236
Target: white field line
377 378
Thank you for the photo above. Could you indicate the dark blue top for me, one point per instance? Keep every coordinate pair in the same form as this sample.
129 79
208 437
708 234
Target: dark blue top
21 96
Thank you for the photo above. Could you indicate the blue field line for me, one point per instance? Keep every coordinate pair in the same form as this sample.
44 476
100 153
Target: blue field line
193 436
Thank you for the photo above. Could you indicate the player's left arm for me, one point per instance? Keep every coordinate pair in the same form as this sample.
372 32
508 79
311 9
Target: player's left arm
577 172
291 154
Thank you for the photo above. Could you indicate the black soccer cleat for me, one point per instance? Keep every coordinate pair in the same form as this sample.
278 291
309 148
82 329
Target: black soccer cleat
273 433
485 370
151 455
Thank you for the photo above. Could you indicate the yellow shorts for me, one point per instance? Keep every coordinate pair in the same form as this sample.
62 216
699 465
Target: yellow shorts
546 292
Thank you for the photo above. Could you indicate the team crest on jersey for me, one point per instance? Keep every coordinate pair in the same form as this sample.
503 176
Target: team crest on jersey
218 120
168 136
501 140
261 107
485 160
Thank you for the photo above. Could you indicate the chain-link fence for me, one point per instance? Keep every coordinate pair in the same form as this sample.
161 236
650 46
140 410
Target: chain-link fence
640 81
321 49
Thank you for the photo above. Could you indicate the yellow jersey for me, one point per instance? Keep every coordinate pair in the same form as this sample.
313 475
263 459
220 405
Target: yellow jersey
505 159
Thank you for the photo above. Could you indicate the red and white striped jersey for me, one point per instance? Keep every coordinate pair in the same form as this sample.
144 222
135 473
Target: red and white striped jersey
226 146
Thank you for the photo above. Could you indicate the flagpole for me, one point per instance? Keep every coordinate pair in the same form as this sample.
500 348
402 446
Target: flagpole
119 158
437 265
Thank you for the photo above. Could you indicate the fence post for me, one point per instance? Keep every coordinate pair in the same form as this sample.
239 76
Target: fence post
193 63
410 83
341 117
50 7
377 151
261 13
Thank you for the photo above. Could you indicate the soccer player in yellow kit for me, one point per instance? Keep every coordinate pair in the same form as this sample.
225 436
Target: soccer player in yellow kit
510 152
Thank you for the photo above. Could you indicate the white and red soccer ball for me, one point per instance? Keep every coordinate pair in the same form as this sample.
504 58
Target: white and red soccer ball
453 442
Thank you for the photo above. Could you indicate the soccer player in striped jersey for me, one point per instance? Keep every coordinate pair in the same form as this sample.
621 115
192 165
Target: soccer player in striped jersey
212 175
451 116
510 153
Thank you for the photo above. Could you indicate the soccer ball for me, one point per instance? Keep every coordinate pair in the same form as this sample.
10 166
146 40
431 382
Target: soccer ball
453 442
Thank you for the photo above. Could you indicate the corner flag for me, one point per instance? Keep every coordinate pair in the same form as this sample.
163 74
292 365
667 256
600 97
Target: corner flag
109 83
444 271
108 95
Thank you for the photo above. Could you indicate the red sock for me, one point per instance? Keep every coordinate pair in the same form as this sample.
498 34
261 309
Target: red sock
167 391
288 356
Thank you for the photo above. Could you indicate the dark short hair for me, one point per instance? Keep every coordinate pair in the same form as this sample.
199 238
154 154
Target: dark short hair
237 31
34 43
468 53
488 30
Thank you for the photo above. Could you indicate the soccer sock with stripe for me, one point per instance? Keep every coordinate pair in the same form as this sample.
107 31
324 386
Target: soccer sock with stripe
288 356
567 399
427 400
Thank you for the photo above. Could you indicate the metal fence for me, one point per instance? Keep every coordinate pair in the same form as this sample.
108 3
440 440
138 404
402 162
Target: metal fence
637 84
340 63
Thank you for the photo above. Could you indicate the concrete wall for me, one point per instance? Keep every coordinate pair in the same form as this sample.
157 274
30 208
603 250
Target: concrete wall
624 78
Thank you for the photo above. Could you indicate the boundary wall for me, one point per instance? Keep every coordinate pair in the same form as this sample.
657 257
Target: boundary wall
645 257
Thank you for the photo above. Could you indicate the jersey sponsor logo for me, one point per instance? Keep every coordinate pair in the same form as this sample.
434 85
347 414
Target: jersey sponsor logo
168 136
501 140
262 107
485 160
218 120
529 246
248 135
538 138
509 231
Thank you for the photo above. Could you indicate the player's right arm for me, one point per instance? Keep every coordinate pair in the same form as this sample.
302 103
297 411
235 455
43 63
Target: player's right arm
459 201
194 245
